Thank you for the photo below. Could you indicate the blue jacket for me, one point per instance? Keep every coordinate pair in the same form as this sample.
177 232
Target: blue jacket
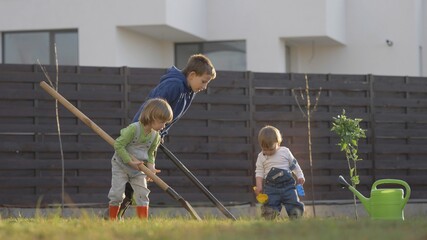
174 89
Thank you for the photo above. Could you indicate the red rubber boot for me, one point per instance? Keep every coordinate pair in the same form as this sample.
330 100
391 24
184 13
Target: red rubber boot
142 212
114 210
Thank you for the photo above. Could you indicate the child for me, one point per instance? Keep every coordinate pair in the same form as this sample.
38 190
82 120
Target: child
178 88
141 140
273 174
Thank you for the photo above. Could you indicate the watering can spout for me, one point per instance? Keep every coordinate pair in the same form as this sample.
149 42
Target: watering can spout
363 199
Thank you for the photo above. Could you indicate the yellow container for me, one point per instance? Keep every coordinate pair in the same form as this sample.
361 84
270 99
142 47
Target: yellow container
262 197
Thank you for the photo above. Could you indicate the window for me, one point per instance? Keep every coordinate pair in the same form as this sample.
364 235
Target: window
226 56
27 47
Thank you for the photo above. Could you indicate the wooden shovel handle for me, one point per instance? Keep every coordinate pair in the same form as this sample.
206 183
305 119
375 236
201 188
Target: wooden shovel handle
98 130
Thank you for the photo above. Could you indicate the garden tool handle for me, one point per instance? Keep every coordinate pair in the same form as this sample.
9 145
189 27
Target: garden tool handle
98 130
395 181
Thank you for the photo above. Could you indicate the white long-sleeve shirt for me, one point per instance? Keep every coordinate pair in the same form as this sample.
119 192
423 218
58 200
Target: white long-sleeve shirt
282 159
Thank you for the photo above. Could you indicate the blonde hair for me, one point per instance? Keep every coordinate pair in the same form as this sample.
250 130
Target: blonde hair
268 136
156 109
200 64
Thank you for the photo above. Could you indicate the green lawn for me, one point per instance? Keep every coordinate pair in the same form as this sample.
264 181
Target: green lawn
93 228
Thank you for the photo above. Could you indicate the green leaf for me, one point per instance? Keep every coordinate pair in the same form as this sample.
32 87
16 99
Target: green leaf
355 180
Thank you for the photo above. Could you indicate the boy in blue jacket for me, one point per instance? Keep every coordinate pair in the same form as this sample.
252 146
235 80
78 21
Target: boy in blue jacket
178 88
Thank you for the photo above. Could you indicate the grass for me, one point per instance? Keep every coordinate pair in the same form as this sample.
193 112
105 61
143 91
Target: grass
93 228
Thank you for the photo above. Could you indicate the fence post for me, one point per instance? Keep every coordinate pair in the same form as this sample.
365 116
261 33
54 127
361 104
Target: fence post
124 72
249 76
371 80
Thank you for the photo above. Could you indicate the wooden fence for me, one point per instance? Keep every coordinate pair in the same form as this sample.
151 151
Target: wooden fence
216 139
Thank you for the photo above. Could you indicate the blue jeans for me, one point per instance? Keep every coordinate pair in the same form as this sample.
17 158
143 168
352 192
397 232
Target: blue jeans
281 191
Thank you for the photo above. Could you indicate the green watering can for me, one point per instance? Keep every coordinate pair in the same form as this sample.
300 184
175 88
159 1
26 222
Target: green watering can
386 203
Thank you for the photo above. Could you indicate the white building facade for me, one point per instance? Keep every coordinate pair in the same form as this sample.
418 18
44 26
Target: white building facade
382 37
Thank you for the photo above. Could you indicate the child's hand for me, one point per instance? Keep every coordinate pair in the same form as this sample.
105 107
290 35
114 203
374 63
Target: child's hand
135 164
152 169
301 181
155 171
257 190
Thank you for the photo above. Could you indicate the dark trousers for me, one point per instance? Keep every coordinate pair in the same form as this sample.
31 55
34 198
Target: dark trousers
128 191
280 187
127 201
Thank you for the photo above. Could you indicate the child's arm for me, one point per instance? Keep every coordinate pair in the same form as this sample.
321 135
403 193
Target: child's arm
152 151
300 175
259 174
295 167
126 136
258 188
152 156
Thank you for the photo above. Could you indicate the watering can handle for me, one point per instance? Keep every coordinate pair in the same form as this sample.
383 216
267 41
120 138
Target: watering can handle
395 181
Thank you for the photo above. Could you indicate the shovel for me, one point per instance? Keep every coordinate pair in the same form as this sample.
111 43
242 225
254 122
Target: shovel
111 141
196 181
